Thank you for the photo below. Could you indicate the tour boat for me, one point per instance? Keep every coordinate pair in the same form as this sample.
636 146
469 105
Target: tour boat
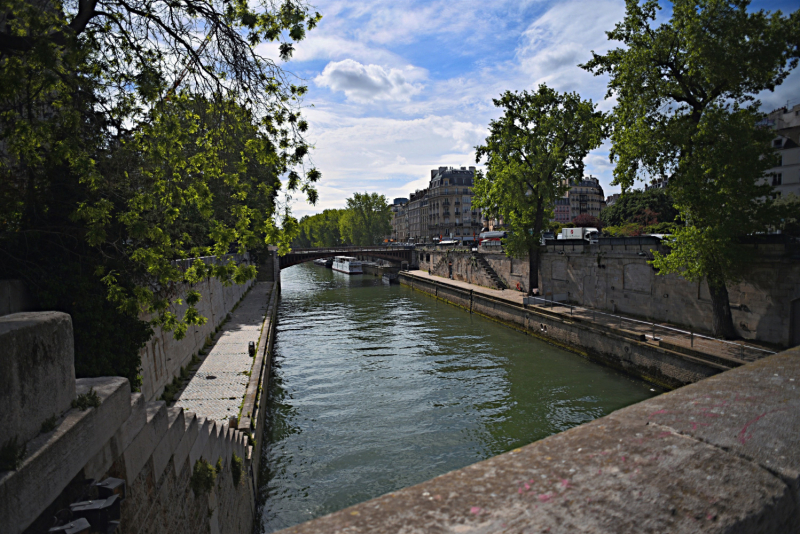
324 262
347 264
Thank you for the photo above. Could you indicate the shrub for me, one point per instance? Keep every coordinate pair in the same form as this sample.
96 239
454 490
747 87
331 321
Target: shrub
584 220
48 425
87 400
171 389
203 477
237 468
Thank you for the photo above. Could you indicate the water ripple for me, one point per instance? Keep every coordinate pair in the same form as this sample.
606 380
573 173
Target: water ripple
377 387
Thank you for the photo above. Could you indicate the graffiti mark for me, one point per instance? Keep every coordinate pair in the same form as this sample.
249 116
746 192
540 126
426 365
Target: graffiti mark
743 436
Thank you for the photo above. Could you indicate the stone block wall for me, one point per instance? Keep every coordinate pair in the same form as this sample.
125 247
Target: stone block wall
36 356
617 278
163 356
152 447
614 347
465 268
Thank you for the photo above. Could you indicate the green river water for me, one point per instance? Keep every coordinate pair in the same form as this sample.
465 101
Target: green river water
379 387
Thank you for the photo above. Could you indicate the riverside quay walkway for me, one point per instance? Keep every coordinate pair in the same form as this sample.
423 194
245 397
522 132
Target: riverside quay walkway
664 354
226 379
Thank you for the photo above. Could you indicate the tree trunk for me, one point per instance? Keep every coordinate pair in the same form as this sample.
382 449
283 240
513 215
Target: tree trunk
533 254
533 268
721 319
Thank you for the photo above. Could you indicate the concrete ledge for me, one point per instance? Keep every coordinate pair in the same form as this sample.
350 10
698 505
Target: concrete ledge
164 450
722 455
37 371
204 427
619 349
55 458
187 441
727 362
145 442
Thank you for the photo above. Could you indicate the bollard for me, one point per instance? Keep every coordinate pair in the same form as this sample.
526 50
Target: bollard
691 338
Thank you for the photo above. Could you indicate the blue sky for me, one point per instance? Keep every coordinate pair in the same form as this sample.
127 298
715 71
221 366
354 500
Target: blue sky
399 88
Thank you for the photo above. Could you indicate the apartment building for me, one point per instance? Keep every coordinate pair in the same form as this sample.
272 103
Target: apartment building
785 177
449 205
399 220
585 197
562 210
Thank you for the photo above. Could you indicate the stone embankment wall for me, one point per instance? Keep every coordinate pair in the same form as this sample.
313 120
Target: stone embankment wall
614 347
163 355
719 456
153 448
462 265
614 276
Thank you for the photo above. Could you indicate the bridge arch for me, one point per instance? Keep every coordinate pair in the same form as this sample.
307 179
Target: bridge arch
302 255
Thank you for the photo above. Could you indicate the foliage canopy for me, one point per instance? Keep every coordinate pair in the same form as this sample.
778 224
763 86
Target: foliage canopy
532 153
366 219
138 133
686 111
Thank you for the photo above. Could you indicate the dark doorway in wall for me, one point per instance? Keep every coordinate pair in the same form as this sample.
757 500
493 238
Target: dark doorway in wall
794 324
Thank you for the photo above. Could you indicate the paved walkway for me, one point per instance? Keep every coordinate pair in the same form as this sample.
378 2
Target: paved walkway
218 386
739 351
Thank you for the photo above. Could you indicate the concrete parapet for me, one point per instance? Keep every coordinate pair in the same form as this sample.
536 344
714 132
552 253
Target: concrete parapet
120 435
722 455
54 458
614 347
37 371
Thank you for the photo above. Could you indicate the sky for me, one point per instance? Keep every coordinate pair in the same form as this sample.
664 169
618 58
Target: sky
399 88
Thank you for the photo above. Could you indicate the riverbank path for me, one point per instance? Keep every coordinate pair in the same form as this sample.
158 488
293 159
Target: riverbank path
218 386
741 351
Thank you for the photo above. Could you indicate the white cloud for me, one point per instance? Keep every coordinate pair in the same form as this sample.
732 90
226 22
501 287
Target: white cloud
555 43
391 156
364 83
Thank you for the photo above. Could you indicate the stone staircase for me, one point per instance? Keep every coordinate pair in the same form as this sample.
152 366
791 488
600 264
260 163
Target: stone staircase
498 282
442 262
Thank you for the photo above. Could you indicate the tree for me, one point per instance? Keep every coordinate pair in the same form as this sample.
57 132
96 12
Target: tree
686 111
533 151
789 207
640 206
320 230
135 134
584 220
367 219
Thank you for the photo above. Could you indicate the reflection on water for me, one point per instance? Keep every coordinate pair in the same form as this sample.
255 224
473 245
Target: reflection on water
379 387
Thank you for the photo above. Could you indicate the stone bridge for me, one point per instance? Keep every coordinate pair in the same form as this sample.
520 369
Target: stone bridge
391 253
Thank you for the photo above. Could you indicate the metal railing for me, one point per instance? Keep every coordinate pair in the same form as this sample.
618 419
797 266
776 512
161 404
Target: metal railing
653 326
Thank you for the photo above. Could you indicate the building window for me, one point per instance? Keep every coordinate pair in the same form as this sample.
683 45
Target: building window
777 179
777 142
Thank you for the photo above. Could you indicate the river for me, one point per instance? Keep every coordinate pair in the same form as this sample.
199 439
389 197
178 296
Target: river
378 387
